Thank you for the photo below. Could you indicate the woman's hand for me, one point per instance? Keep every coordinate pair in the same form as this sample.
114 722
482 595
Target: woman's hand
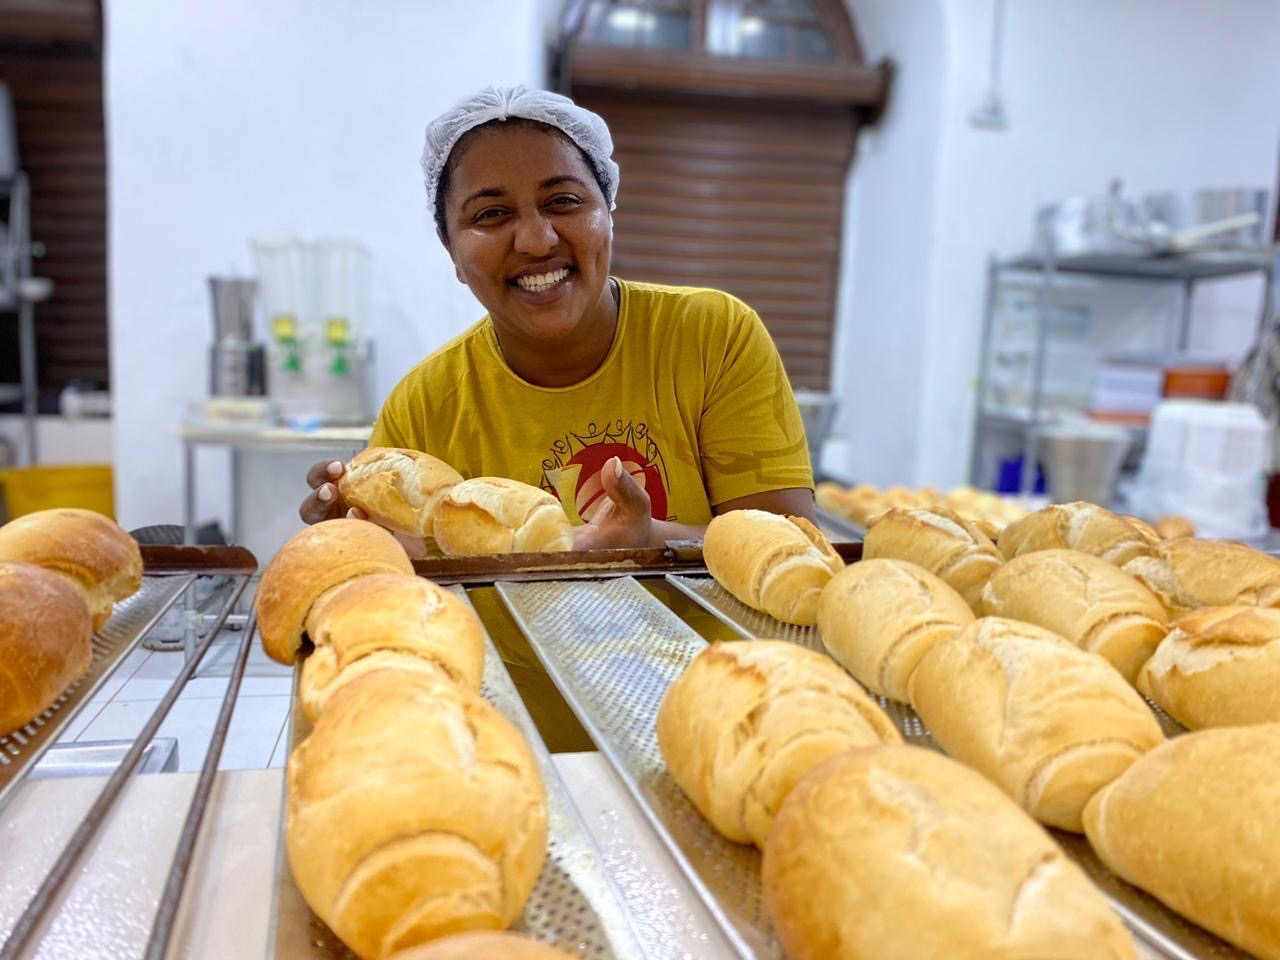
324 502
625 517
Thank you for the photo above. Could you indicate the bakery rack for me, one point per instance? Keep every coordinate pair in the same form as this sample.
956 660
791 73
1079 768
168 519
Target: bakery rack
170 573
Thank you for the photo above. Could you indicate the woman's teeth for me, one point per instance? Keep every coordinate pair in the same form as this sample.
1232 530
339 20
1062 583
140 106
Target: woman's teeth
542 281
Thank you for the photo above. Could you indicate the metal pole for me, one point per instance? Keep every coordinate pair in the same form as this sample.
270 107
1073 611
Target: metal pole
1030 447
27 361
984 368
1184 333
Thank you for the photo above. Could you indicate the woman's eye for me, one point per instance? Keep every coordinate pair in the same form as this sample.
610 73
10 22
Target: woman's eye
565 200
489 213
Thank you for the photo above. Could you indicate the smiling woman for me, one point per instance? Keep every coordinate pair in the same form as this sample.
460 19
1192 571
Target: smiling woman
645 409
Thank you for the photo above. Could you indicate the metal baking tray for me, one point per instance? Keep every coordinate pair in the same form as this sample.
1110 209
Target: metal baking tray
1150 920
573 904
612 649
130 621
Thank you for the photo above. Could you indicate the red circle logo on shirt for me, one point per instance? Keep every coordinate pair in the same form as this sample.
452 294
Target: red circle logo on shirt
590 495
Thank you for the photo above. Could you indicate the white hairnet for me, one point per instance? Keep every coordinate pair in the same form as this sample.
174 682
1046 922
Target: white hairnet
583 127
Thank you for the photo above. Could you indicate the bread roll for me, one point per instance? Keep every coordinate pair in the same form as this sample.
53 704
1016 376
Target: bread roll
385 620
833 498
1187 574
397 488
483 945
1195 824
1218 667
1174 527
1096 606
495 515
45 641
89 549
1149 532
897 853
771 563
879 617
415 810
938 540
311 562
1047 722
746 720
1077 526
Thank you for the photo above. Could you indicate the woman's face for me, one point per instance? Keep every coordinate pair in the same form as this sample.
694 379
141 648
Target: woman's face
529 232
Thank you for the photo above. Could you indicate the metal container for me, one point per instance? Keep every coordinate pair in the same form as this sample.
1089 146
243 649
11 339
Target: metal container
817 412
237 368
1084 460
232 307
1082 226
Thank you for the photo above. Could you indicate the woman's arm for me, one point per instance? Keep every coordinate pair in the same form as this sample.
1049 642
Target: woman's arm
625 519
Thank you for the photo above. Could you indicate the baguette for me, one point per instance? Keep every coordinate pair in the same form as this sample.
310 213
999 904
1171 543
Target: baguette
897 853
1188 574
1093 604
490 515
1078 526
397 488
774 564
746 720
1195 824
879 617
1047 722
1218 667
956 551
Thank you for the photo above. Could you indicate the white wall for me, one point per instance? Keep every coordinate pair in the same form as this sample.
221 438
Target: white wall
229 119
1167 94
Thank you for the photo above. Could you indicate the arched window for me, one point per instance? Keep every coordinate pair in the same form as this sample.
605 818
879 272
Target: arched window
734 123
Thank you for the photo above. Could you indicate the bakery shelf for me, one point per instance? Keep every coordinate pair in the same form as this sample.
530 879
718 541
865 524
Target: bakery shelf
573 904
1158 927
168 574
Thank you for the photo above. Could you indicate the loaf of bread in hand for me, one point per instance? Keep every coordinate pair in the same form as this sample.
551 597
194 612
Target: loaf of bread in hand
388 620
746 720
1078 526
397 488
311 562
483 945
1218 667
1174 527
87 548
1195 824
1188 574
45 641
488 515
1095 605
772 563
897 853
879 617
952 549
1046 721
416 810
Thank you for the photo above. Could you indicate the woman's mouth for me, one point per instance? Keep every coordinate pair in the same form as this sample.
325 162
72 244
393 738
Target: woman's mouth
543 286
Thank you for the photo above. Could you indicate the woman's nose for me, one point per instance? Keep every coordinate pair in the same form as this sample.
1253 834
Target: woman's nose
535 236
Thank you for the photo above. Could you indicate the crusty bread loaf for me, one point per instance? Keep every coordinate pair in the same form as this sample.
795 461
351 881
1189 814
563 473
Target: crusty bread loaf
494 515
772 563
746 720
483 945
1147 531
385 620
1188 574
397 488
311 562
93 552
1077 526
1174 527
1095 605
1046 721
45 641
1195 824
955 550
897 853
1218 667
879 617
415 810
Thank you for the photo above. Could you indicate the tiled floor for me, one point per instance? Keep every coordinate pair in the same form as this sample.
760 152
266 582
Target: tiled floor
257 736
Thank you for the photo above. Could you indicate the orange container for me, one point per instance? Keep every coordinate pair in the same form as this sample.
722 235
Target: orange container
1191 382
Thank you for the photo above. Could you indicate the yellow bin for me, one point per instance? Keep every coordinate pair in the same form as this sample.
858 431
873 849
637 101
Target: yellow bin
28 489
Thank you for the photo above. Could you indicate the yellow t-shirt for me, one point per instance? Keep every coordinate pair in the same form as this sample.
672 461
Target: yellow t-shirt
692 396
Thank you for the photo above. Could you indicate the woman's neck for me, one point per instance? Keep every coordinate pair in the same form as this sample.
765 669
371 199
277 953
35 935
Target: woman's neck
559 364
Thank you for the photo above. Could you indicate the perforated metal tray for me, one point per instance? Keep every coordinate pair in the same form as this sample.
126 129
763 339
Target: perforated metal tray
130 620
613 649
1153 922
572 905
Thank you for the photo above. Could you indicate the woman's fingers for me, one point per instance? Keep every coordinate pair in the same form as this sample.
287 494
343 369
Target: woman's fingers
326 471
355 513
